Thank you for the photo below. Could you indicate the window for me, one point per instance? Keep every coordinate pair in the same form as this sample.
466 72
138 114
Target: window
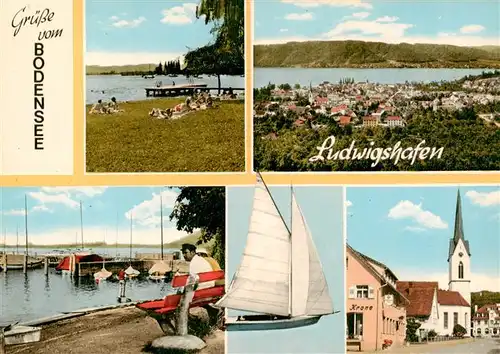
445 318
465 320
479 331
460 270
455 318
362 291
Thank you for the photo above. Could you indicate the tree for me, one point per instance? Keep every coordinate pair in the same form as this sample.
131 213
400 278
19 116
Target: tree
203 208
459 331
230 12
214 59
411 330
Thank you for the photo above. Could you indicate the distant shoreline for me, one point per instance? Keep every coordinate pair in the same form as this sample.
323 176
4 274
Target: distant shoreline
376 66
97 245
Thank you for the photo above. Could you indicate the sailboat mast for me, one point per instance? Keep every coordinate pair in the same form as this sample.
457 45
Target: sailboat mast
116 236
81 223
26 222
161 219
17 239
130 256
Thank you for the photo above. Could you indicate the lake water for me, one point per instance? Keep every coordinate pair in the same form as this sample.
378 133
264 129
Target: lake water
304 77
131 88
34 295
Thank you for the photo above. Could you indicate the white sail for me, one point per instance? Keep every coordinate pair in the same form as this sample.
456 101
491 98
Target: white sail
262 282
102 274
319 301
160 267
131 271
300 262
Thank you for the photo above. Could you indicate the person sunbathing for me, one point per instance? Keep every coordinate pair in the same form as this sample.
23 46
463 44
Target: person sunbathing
97 108
113 106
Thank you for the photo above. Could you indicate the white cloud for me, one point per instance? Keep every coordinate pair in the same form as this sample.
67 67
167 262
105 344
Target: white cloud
60 198
114 18
14 212
306 16
284 30
357 15
479 281
180 15
348 203
408 210
370 28
415 229
87 191
127 23
147 213
387 19
108 59
41 208
63 195
484 199
472 29
335 3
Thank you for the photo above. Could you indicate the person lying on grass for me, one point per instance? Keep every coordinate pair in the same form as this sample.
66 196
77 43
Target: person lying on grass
102 108
97 108
161 114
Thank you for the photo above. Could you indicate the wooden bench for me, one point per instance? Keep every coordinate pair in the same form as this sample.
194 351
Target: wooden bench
165 310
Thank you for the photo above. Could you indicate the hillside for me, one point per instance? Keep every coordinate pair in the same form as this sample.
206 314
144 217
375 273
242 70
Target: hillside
358 54
482 298
99 70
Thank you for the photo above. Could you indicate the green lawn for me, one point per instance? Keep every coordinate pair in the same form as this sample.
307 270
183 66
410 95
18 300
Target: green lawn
205 141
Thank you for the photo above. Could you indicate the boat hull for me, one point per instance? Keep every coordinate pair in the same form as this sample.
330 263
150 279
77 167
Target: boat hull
22 335
31 265
253 323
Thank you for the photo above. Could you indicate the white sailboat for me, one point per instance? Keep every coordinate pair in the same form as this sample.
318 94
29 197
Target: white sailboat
103 274
159 269
130 271
280 276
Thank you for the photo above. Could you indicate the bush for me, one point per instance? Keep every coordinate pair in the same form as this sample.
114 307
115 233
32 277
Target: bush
459 331
411 330
432 334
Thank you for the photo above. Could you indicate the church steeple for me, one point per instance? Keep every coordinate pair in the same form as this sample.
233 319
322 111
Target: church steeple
458 232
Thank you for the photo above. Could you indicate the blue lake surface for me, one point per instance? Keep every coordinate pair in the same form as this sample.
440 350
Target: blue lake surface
34 295
132 88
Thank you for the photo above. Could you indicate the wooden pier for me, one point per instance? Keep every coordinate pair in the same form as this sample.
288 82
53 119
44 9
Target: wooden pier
85 269
183 90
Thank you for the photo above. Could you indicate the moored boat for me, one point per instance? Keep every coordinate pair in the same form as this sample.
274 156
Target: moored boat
22 335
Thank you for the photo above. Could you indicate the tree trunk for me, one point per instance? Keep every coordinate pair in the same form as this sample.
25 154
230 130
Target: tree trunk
2 342
218 81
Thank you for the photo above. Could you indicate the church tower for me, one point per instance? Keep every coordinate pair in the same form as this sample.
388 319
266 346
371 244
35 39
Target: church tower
459 257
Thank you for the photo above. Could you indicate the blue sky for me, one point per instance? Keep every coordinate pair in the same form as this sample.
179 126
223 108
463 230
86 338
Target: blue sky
54 214
409 229
465 23
136 32
322 208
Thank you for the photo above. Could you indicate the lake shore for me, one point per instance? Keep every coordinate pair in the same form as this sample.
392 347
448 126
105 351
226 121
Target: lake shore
118 330
211 140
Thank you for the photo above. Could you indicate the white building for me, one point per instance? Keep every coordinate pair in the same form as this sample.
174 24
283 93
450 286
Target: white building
486 321
440 310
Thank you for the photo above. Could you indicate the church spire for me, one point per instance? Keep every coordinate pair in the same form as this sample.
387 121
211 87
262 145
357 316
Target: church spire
458 232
